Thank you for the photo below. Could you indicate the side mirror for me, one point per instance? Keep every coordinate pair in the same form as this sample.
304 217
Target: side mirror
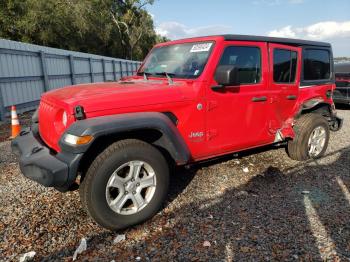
227 75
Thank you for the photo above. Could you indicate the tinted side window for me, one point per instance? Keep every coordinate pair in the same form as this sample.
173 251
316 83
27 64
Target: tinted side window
284 66
247 60
317 64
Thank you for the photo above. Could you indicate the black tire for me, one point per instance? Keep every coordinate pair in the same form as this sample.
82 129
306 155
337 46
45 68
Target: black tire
297 148
93 187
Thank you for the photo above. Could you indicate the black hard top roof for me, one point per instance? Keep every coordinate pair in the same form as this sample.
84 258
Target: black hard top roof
342 68
279 40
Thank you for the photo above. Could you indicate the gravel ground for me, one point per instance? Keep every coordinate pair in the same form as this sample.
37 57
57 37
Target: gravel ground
258 206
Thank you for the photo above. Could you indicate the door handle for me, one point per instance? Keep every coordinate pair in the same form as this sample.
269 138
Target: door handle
291 97
259 99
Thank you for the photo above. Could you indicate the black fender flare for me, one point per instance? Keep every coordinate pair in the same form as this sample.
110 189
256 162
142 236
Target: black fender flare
171 139
314 103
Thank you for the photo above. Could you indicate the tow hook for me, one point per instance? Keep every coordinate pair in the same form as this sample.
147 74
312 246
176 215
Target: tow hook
36 149
24 132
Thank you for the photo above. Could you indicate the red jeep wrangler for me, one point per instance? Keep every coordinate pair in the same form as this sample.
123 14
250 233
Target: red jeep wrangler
191 100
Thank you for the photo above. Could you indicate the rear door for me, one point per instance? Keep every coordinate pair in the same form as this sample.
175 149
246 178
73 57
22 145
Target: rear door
285 64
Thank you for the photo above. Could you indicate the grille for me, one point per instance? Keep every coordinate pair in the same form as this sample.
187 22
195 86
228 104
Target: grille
47 114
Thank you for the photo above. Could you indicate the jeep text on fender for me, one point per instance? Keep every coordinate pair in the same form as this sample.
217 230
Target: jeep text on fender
191 100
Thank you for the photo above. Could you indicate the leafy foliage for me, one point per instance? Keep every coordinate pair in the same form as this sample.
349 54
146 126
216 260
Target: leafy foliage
118 28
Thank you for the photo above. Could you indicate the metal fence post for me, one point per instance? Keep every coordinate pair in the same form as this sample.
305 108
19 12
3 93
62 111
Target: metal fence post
2 108
72 70
92 70
127 68
121 69
114 71
44 70
104 70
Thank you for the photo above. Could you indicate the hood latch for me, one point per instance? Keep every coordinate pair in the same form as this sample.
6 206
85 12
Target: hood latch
79 113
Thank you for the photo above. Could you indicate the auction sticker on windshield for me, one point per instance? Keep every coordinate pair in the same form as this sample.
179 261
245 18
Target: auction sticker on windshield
202 47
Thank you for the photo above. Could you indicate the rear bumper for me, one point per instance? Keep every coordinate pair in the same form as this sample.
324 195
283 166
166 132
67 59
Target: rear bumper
341 100
38 163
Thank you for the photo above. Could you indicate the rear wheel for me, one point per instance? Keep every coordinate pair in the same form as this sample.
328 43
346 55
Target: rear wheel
125 185
311 137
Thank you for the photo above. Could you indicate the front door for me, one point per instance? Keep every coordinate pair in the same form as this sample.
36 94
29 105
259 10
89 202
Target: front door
237 117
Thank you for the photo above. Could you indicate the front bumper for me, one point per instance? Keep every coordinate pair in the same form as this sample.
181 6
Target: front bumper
37 162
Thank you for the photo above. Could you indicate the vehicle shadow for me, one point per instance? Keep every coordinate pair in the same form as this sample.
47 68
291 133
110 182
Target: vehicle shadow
300 213
181 177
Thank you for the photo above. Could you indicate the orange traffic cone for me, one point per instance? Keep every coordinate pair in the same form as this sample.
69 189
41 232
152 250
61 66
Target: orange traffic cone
16 128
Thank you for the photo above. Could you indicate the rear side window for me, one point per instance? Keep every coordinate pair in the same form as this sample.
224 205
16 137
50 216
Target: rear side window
284 65
247 59
317 64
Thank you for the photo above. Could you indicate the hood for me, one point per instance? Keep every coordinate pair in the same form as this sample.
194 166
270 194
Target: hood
113 95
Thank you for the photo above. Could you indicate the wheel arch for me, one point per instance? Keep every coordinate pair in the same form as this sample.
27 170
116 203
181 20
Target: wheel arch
151 127
318 106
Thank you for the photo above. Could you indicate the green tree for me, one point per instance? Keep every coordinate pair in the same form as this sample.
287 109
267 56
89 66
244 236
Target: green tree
106 27
9 11
133 23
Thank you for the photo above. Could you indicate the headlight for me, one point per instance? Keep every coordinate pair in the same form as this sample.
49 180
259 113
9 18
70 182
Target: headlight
64 118
77 140
61 121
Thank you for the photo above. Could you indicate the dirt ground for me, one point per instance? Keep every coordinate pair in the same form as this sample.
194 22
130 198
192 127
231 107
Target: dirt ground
259 206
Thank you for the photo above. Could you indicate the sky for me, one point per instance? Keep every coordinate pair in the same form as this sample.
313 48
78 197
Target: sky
323 20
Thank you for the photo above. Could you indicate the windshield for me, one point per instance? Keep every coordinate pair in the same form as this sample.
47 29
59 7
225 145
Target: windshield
182 60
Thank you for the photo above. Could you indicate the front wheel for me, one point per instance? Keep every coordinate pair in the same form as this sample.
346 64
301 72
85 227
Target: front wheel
311 137
125 185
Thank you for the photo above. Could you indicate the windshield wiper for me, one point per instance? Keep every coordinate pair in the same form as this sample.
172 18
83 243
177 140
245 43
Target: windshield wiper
168 76
145 75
